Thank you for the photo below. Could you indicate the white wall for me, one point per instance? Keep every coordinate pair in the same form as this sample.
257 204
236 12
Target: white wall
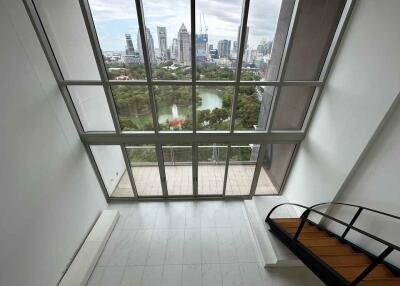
49 193
376 184
363 83
66 30
111 164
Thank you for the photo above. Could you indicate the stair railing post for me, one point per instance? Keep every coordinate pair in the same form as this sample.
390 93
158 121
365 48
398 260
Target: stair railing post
371 267
353 220
303 221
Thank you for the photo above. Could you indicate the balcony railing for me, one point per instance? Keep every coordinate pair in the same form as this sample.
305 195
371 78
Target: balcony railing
141 156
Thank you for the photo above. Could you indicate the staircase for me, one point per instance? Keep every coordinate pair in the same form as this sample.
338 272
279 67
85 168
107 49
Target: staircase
331 257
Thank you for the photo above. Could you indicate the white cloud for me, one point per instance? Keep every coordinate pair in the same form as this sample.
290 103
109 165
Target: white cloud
114 18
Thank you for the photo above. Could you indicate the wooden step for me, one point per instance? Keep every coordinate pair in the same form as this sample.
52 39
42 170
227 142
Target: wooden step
320 241
339 256
354 259
304 229
352 272
286 220
381 282
292 223
315 235
331 250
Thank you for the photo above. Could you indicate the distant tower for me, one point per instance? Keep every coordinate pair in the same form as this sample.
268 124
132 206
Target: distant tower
234 49
150 46
201 47
162 42
129 49
174 49
130 57
184 46
224 48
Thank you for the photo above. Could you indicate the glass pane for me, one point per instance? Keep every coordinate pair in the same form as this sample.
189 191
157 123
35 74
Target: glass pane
292 107
178 169
133 107
65 28
217 29
118 32
146 174
214 105
91 104
112 168
248 108
274 168
262 25
313 36
211 168
174 107
242 161
168 38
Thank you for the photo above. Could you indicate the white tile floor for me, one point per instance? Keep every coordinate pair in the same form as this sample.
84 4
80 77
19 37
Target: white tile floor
186 243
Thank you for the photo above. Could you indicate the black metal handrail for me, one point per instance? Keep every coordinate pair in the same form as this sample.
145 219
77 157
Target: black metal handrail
349 226
357 206
356 215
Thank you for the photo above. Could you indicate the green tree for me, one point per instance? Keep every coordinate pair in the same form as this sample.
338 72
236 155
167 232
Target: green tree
203 116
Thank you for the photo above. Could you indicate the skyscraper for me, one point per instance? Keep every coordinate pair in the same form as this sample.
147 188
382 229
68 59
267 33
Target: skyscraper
150 46
162 42
264 47
201 47
224 48
174 49
184 46
129 49
234 50
130 56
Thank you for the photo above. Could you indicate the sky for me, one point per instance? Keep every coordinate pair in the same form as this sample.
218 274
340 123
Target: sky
114 18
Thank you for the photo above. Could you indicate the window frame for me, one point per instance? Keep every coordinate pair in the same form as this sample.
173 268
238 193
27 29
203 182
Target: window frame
194 137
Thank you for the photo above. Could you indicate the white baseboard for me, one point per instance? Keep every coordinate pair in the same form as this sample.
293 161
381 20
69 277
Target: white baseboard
82 266
274 253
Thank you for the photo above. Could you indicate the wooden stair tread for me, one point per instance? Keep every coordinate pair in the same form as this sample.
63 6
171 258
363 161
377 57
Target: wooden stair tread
351 272
354 259
331 250
304 229
381 282
286 220
320 241
339 255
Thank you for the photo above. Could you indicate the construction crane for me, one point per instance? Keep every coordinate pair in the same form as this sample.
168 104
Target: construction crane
203 22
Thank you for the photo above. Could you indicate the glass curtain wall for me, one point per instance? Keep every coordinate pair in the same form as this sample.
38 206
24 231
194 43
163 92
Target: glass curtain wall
174 100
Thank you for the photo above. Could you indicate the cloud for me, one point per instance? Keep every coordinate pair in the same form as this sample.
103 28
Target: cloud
115 18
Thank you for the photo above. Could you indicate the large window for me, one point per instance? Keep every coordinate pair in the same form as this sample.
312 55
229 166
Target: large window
190 98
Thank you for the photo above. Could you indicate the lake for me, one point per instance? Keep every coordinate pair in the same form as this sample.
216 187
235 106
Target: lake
211 98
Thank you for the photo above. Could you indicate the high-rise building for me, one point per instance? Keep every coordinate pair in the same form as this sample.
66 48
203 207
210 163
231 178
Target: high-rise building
150 46
174 49
264 47
234 49
214 54
201 47
184 46
129 49
162 42
224 48
130 56
168 54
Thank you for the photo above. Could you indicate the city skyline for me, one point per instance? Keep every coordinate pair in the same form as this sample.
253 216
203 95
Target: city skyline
115 19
